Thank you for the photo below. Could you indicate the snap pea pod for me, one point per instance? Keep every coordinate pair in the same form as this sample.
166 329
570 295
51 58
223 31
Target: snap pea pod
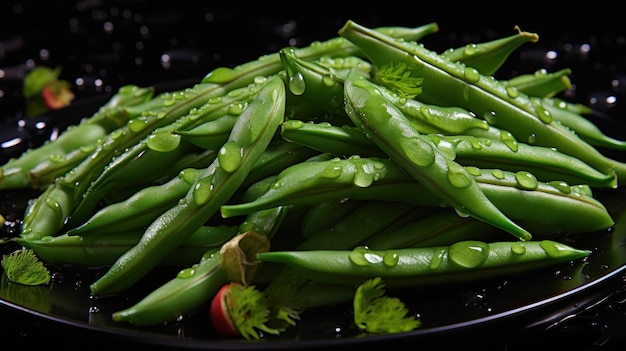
317 83
141 161
269 64
419 156
545 163
541 83
73 184
249 138
345 140
324 86
447 83
103 248
211 134
583 127
488 57
201 159
463 261
15 173
139 210
278 156
553 206
313 182
191 287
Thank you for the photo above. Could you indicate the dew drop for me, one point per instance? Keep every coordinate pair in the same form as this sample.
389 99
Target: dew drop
297 85
518 248
57 158
437 259
490 117
561 186
553 248
509 140
473 170
471 74
469 253
512 92
542 113
470 49
497 173
163 141
418 151
186 273
55 206
203 190
526 180
458 176
230 156
293 124
331 171
391 258
532 138
357 256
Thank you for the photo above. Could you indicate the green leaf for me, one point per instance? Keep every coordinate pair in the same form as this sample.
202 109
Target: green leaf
24 267
376 313
37 79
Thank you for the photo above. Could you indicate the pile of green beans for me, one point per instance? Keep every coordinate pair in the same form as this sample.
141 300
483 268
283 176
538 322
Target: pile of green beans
364 145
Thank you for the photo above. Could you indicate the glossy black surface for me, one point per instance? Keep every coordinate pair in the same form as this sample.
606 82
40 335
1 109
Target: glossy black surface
102 45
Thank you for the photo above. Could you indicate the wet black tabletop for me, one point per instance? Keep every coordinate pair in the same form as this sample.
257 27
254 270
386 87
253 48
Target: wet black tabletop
102 45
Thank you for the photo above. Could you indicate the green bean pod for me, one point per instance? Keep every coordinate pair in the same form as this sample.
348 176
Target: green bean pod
447 83
15 174
191 287
249 138
313 182
46 215
103 248
463 261
541 83
488 57
141 209
141 163
270 64
278 156
317 83
211 134
545 163
553 206
419 156
583 127
345 140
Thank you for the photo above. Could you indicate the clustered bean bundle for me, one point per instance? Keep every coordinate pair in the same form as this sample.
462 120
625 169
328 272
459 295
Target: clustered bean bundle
367 146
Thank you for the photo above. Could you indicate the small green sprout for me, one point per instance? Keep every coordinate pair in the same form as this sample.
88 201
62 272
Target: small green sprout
398 78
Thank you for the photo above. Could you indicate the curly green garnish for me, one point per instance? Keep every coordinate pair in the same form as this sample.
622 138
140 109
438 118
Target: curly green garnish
249 311
398 78
24 267
376 313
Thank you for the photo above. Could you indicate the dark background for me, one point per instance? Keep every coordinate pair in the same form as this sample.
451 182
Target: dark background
102 45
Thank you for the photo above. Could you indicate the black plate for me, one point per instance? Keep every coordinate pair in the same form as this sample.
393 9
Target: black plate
532 304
